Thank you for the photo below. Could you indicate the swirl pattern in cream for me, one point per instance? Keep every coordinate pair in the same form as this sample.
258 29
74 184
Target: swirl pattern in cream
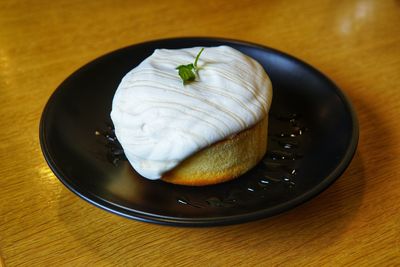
160 122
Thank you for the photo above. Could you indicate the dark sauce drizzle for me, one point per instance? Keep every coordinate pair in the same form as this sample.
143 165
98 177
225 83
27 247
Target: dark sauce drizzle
277 167
115 153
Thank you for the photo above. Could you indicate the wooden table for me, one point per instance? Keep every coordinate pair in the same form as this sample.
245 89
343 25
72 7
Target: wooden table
355 222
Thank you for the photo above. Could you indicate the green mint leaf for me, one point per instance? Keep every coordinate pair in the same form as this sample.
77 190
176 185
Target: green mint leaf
188 72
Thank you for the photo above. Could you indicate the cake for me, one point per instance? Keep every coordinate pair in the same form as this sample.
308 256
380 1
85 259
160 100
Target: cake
200 132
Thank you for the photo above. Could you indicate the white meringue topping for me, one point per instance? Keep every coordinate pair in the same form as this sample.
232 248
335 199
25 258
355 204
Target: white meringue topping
159 121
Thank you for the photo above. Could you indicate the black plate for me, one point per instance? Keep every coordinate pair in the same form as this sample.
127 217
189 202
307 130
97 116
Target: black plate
313 134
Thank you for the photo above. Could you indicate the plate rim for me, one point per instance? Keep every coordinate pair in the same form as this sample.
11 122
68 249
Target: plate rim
202 221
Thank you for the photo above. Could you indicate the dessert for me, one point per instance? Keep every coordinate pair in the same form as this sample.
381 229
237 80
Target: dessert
201 132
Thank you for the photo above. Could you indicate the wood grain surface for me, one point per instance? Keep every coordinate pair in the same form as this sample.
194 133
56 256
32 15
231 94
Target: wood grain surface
356 222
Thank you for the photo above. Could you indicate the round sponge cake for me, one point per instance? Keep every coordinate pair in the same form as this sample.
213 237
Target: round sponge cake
223 161
202 132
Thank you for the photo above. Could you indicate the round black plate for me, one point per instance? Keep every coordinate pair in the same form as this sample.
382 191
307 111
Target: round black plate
313 134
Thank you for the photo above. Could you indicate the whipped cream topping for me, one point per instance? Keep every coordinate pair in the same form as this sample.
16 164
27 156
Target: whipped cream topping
160 122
